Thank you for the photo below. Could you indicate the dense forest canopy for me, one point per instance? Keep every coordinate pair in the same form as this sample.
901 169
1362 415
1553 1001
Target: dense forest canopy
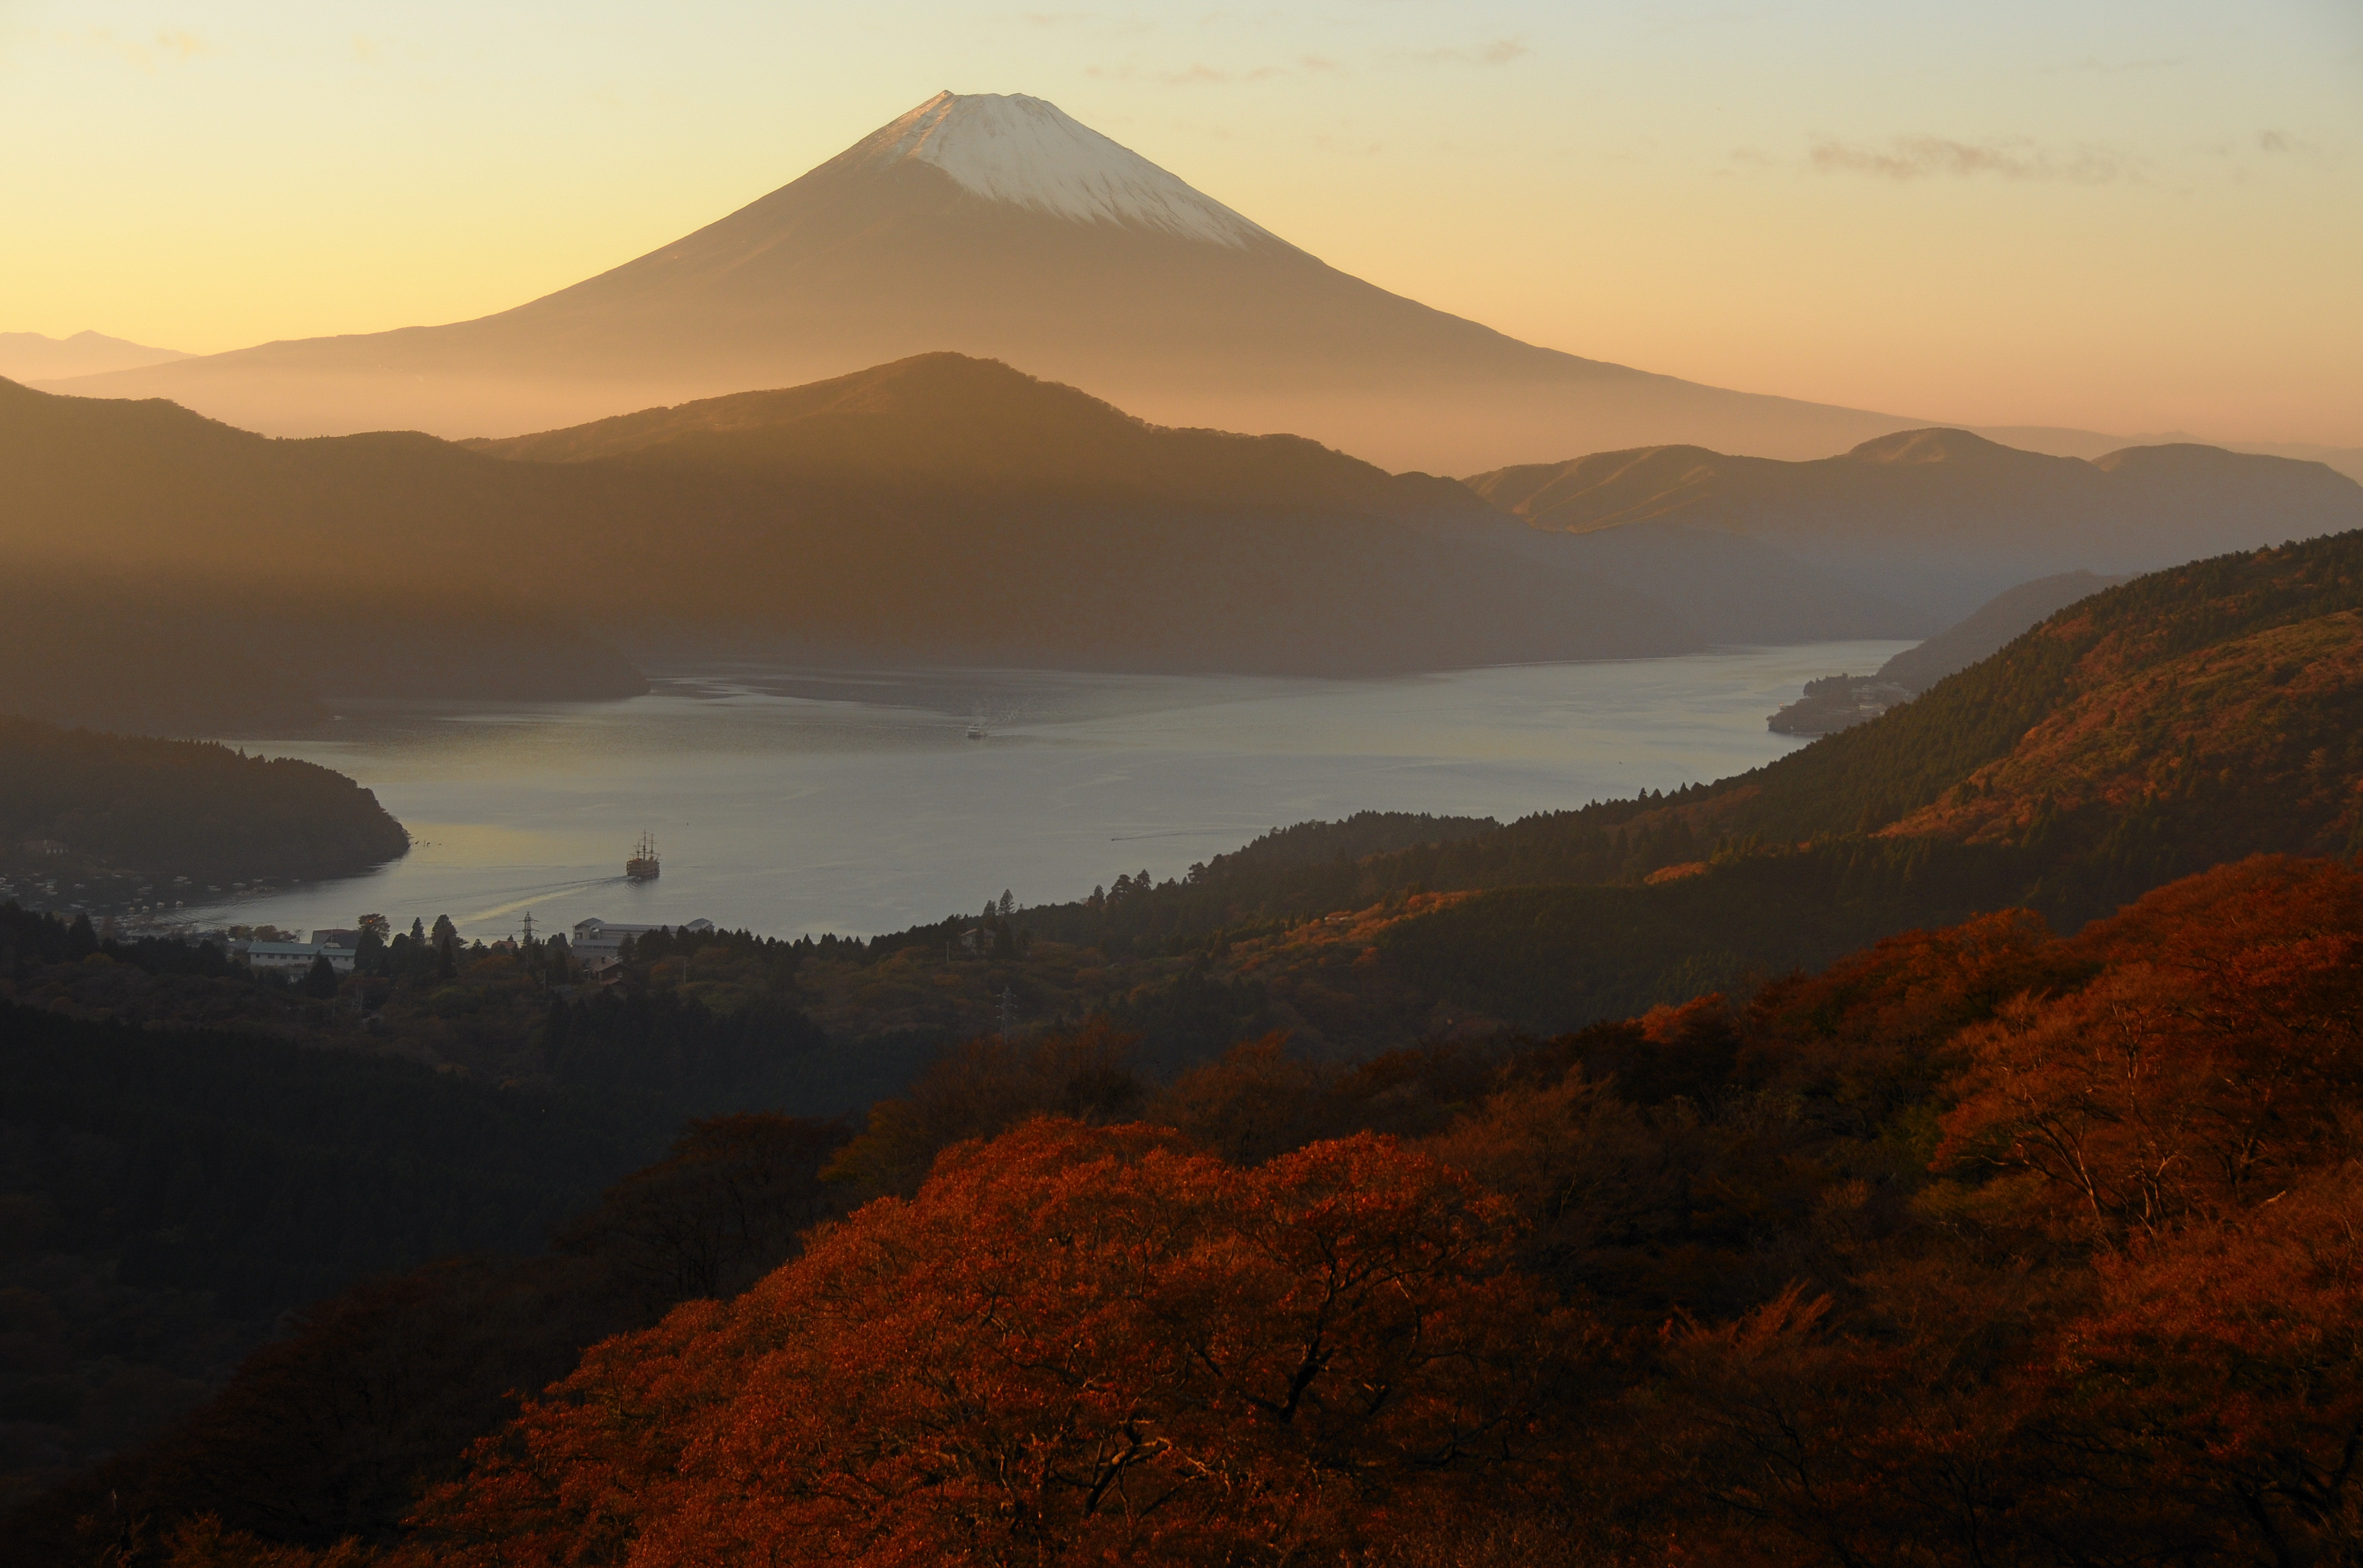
1982 1244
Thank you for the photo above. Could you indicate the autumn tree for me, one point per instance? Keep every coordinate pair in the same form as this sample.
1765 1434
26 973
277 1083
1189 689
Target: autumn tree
1072 1345
2217 1057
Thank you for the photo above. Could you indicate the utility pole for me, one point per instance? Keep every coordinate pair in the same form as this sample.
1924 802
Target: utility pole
1004 1011
529 928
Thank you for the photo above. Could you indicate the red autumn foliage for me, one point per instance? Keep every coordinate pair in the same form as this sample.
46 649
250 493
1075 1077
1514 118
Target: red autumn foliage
1072 1345
2218 1056
1983 1247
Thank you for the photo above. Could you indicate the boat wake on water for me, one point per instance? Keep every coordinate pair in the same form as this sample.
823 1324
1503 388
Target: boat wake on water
535 895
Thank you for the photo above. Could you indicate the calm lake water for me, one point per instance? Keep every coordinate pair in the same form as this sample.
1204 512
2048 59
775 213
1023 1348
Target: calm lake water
793 802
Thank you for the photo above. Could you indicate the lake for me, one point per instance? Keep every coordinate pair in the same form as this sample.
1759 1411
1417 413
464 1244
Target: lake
795 801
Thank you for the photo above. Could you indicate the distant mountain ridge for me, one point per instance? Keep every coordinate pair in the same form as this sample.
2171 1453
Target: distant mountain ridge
947 509
30 357
1995 625
940 420
1941 520
998 227
838 522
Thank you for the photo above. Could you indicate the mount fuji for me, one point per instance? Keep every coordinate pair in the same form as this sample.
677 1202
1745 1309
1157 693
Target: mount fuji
1002 228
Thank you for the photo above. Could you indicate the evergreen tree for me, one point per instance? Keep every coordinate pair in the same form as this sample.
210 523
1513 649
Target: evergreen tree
320 979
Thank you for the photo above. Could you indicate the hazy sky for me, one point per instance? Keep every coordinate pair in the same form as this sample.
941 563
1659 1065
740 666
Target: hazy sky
2123 215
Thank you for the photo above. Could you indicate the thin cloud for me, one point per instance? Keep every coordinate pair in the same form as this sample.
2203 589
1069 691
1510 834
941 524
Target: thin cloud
174 47
2094 64
2282 144
1092 23
1905 158
1203 75
1501 52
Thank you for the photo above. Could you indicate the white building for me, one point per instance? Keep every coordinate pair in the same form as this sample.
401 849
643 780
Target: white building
596 938
296 957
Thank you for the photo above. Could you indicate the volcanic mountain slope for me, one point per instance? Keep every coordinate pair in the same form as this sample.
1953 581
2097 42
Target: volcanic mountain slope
1940 521
938 510
998 227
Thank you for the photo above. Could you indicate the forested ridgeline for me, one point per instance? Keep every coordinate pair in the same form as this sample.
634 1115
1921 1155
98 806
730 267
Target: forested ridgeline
163 809
212 647
1982 1245
2185 719
1875 775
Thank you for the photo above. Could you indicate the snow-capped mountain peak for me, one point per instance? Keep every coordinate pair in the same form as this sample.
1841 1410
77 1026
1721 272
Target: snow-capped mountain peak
1010 147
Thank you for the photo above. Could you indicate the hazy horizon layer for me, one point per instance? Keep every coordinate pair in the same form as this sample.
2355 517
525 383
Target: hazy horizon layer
2122 218
797 801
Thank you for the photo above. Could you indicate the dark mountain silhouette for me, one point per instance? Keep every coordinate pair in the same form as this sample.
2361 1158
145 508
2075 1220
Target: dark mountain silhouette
998 227
936 510
168 807
2066 443
1942 519
949 423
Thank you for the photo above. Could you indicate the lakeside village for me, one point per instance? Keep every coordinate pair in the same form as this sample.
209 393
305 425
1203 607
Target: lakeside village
122 906
40 876
595 947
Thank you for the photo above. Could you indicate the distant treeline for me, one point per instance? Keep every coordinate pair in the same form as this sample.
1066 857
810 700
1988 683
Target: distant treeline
169 808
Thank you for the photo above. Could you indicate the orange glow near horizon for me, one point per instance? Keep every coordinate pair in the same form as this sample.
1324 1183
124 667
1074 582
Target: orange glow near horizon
2141 219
